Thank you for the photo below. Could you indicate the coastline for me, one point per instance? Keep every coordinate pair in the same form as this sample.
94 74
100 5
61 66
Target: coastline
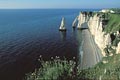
92 62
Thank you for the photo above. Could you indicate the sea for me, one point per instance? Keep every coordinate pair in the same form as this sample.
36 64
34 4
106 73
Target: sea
27 34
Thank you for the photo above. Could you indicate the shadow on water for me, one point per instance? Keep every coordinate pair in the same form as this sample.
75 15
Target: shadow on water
79 39
63 35
73 32
73 29
82 29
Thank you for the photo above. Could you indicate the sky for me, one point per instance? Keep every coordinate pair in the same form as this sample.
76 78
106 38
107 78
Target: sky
23 4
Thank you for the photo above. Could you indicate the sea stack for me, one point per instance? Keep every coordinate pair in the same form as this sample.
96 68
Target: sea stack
74 24
62 26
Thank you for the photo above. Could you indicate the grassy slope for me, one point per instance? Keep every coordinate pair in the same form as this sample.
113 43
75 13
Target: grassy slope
104 71
114 23
66 70
53 70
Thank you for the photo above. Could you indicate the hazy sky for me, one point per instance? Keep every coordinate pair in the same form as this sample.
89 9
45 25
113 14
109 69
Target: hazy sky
59 3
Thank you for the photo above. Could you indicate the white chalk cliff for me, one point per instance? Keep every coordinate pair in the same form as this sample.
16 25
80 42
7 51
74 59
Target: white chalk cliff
96 28
62 26
118 48
81 19
74 24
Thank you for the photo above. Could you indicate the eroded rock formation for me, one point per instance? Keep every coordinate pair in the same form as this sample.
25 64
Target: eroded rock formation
96 27
82 18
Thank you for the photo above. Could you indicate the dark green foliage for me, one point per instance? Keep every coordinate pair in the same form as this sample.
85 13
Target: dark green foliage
116 41
53 70
66 70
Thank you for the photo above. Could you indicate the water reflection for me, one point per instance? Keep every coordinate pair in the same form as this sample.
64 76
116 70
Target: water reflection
63 35
73 32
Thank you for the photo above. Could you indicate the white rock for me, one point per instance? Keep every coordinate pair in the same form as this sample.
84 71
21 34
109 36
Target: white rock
111 55
118 48
105 62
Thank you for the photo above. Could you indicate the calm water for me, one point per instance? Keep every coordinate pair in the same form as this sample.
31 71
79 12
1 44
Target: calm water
26 34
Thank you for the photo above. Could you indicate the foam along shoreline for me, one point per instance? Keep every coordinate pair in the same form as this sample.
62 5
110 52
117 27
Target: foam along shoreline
89 51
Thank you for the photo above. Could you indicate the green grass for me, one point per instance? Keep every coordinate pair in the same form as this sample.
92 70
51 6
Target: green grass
67 70
113 24
108 71
53 70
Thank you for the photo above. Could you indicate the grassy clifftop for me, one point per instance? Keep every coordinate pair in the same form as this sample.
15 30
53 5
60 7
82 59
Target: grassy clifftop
114 23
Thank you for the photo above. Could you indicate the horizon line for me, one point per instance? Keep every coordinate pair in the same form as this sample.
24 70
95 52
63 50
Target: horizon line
62 8
55 8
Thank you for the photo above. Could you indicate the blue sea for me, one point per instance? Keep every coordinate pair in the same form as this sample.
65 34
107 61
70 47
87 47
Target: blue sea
25 34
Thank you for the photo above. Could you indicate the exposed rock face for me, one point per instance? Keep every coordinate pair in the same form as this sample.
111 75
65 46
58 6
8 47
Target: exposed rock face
118 48
96 28
82 18
74 24
62 26
107 40
96 25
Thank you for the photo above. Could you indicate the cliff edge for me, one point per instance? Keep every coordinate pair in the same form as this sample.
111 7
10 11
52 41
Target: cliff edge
105 28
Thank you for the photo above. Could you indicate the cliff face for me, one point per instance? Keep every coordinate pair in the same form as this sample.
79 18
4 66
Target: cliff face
96 29
82 18
96 26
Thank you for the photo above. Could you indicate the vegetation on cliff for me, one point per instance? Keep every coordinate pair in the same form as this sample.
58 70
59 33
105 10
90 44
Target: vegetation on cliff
55 69
113 28
113 23
107 69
